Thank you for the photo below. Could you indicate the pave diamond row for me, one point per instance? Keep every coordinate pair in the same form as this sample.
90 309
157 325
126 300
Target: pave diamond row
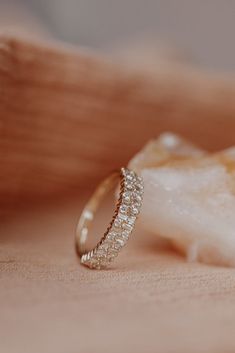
122 224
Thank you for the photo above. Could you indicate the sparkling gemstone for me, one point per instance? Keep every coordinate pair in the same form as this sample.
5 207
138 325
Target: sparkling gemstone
129 177
117 223
139 186
120 241
93 261
123 208
112 252
139 192
100 252
111 235
104 246
127 226
137 205
131 219
125 234
122 216
134 210
129 186
127 199
117 246
137 197
126 193
109 259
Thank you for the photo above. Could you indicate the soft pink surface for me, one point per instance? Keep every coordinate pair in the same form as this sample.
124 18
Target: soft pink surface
150 301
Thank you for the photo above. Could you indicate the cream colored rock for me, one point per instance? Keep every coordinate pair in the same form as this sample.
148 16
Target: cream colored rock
189 198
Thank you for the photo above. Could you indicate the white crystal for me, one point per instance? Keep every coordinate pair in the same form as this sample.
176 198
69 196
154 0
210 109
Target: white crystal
189 198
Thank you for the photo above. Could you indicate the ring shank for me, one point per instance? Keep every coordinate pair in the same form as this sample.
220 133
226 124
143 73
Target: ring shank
90 209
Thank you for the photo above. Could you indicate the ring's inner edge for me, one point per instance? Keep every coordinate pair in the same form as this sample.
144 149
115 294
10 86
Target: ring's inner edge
90 209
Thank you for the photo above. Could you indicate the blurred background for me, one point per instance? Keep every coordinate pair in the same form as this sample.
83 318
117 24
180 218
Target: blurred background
204 28
162 87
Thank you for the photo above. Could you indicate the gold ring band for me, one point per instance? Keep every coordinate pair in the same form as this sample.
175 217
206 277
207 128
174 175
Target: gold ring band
118 232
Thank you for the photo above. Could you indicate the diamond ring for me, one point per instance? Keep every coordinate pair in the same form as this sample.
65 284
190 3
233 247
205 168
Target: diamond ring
118 232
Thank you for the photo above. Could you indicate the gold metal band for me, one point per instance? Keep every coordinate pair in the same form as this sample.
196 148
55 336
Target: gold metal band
122 224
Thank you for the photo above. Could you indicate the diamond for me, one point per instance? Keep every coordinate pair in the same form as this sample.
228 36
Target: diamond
104 246
137 205
127 199
125 234
117 246
93 261
139 192
127 194
123 208
129 186
111 235
137 197
120 241
127 226
131 220
112 253
129 177
123 217
134 210
117 223
139 187
100 252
